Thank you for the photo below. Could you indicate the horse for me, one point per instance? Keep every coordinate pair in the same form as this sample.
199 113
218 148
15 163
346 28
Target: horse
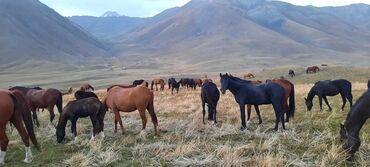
170 81
175 85
129 99
14 109
87 107
248 76
69 91
356 118
198 82
368 84
159 82
86 87
140 82
313 69
330 88
291 73
82 95
247 93
45 98
210 95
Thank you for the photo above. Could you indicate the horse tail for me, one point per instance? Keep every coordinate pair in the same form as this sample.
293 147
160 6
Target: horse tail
59 102
21 105
150 108
291 100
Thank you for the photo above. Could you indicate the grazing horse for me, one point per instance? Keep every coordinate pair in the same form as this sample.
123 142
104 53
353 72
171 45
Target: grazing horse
14 109
175 85
159 82
88 107
170 81
82 95
356 118
313 69
330 88
248 93
210 95
45 98
140 82
291 73
198 82
248 76
86 87
129 99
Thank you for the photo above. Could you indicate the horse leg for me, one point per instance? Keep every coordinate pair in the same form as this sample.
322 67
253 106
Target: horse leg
242 116
258 114
343 100
320 102
34 116
143 118
3 143
214 114
204 110
95 125
119 120
51 112
327 103
249 110
278 114
17 121
349 97
74 127
150 109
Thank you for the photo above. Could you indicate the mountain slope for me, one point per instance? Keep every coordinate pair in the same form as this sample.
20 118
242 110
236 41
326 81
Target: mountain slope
33 31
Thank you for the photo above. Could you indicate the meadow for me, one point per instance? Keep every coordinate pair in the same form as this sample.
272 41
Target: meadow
312 138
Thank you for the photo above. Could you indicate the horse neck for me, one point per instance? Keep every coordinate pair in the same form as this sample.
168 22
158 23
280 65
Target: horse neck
311 94
233 86
62 122
357 117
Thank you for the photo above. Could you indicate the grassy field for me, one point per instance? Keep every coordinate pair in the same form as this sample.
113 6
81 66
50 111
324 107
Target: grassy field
312 138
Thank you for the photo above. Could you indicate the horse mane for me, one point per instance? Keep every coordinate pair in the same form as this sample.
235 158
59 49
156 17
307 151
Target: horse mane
239 79
121 86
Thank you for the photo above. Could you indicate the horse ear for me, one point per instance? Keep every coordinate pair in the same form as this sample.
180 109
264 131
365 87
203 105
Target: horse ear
305 99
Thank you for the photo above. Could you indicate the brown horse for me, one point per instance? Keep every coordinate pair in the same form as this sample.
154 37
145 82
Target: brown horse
288 95
14 109
45 98
159 82
69 91
313 69
86 87
198 82
248 76
129 99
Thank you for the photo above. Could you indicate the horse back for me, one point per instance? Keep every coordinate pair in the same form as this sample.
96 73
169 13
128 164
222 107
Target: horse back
343 85
128 99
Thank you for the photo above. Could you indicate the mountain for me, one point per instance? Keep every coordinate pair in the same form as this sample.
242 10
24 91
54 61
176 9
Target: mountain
31 31
110 14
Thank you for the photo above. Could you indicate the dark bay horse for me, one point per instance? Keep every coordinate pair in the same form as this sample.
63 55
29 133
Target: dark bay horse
248 93
330 88
87 107
175 85
170 81
86 87
45 98
291 73
14 109
82 95
356 118
368 84
210 95
313 69
188 83
198 82
140 82
159 82
129 99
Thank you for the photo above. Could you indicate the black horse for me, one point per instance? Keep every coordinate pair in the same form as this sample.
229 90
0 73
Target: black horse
210 95
368 84
247 93
170 81
330 88
188 83
139 82
175 85
82 95
89 107
356 118
291 73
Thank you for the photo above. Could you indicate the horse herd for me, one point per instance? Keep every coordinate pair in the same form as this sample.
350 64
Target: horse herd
18 105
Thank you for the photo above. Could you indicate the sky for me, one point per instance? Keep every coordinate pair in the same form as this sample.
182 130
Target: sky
147 8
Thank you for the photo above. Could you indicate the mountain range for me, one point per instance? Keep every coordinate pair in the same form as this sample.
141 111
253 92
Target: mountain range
203 35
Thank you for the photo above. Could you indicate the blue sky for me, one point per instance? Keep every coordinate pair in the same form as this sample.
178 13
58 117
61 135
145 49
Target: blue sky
145 8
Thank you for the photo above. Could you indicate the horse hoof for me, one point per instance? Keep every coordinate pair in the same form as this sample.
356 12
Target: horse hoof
27 160
242 128
286 125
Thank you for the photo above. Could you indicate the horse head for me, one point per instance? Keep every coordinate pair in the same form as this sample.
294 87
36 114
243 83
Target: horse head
350 143
224 80
309 104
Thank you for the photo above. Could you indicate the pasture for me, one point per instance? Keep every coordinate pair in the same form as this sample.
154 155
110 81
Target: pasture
312 138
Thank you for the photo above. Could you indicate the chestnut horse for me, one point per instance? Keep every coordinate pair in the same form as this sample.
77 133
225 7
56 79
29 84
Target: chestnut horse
45 98
248 76
86 87
313 69
159 82
14 109
198 82
128 99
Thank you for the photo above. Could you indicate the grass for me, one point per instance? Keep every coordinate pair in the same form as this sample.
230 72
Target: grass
311 140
